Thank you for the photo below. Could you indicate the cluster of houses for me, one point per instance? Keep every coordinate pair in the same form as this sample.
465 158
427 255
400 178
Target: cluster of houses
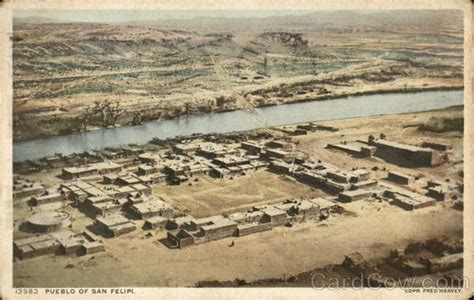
406 199
186 160
354 185
195 159
431 192
61 242
187 230
107 205
112 192
336 181
430 154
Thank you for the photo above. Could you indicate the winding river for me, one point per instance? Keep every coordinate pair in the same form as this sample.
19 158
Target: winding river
356 106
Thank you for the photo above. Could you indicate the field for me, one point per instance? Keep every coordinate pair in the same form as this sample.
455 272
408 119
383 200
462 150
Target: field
370 227
80 76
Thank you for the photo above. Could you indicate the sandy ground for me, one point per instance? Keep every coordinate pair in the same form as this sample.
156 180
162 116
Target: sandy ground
210 196
134 260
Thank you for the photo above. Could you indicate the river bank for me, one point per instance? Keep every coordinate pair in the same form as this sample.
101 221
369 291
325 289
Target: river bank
357 106
62 126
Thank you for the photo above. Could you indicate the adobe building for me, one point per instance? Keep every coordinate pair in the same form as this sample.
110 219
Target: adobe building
79 190
406 199
154 178
153 207
366 184
306 209
180 238
319 180
355 195
299 210
148 169
284 145
357 149
400 178
114 225
281 167
218 228
109 178
202 230
102 209
136 198
275 216
198 169
127 179
407 155
276 153
222 173
231 161
122 192
326 206
437 146
76 173
150 158
186 149
35 246
179 223
77 243
252 147
248 217
49 196
251 228
96 169
155 222
141 188
128 162
212 150
185 167
440 192
64 242
23 188
100 205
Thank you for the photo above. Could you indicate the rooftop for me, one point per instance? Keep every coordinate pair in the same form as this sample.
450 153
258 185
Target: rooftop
112 220
152 206
272 211
322 202
403 146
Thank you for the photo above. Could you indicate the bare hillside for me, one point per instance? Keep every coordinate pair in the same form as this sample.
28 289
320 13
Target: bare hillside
76 76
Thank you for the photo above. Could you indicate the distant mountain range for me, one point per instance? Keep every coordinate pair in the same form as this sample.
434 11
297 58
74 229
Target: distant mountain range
338 18
36 20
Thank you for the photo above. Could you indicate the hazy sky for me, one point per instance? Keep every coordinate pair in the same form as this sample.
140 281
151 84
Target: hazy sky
140 15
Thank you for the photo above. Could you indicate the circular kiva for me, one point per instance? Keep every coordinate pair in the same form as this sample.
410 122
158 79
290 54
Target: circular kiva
49 221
